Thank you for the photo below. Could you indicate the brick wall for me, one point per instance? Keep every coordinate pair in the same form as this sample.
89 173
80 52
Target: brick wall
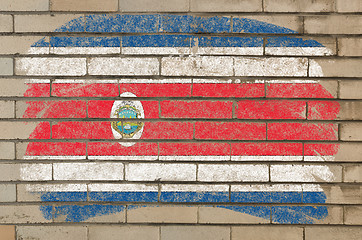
230 126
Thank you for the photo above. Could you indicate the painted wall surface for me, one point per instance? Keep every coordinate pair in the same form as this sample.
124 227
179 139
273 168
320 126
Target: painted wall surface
180 120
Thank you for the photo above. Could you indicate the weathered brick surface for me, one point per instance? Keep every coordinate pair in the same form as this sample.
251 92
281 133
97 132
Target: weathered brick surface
7 232
7 109
20 5
266 233
349 6
353 215
352 173
21 214
20 130
194 233
41 23
7 192
299 6
332 233
16 44
226 6
124 232
162 214
350 89
333 24
84 5
52 232
7 150
350 47
153 5
343 194
6 23
6 66
37 172
335 67
351 131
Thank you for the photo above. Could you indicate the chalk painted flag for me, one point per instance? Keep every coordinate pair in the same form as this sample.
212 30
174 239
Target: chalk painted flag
179 109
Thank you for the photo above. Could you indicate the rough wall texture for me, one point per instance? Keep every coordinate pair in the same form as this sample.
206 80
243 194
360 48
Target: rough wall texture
180 119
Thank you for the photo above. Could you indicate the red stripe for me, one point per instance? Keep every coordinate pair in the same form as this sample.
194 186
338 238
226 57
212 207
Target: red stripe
85 90
271 109
196 109
226 131
320 149
55 109
56 149
82 130
228 90
266 149
102 109
114 149
37 90
168 130
157 90
297 90
194 149
42 131
302 131
323 110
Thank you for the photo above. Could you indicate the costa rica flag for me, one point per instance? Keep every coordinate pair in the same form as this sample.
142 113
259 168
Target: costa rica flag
180 109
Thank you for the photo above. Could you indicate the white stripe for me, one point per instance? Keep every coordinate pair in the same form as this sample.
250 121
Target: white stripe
266 188
319 158
266 158
301 51
37 81
228 50
215 81
194 158
156 50
301 173
84 50
155 81
54 157
312 188
36 172
116 157
287 81
82 81
38 50
123 188
56 187
194 188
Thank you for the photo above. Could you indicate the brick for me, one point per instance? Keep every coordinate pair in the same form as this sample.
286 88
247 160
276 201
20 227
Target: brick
352 6
228 130
197 66
21 87
343 194
43 23
7 150
196 109
88 171
351 131
352 173
85 89
84 5
194 232
302 131
350 89
52 232
6 23
124 232
294 23
51 66
7 109
234 172
154 5
7 192
123 66
6 66
299 6
226 216
22 214
18 44
7 232
352 215
323 110
219 89
249 109
350 46
305 173
162 214
25 172
344 152
160 171
333 233
335 67
336 24
267 233
25 130
225 6
291 67
19 5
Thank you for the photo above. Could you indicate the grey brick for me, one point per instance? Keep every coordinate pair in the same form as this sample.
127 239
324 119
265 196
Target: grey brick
7 150
6 66
52 232
7 109
7 193
6 23
226 5
21 5
21 214
154 5
123 232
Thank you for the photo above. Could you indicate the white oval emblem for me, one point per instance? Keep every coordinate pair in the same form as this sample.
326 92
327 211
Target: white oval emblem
125 129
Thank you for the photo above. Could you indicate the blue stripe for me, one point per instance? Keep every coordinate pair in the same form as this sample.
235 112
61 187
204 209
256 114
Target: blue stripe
298 214
156 41
64 196
245 25
186 197
266 197
124 196
85 41
314 197
229 42
291 42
